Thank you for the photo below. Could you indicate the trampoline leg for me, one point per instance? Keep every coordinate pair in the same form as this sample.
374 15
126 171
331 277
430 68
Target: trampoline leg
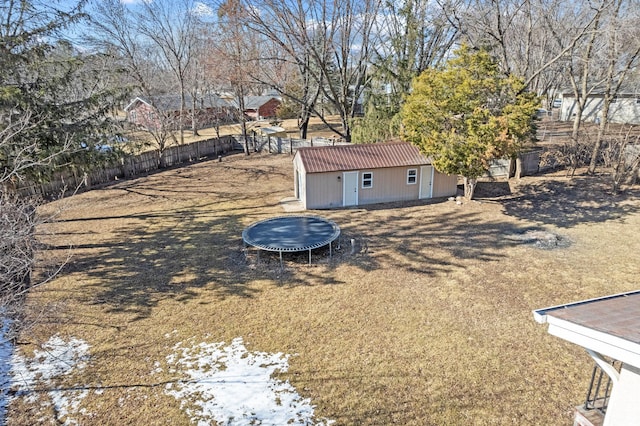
258 256
329 249
309 256
280 259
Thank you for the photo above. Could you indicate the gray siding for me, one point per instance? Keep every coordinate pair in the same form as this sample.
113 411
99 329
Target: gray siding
625 110
324 190
388 185
444 185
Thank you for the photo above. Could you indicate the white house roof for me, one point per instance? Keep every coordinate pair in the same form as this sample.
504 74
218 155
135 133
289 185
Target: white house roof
608 325
360 157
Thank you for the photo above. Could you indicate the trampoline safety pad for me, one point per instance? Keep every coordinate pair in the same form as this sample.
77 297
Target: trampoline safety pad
291 234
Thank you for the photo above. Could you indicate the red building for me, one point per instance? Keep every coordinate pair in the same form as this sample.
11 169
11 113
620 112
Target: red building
259 107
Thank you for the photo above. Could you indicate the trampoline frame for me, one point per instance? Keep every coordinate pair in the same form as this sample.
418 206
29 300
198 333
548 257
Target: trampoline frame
246 239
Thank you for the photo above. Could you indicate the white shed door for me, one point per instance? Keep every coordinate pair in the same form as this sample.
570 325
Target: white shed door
350 188
426 182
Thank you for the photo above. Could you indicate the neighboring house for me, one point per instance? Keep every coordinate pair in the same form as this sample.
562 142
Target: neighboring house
259 107
605 327
625 108
149 113
353 175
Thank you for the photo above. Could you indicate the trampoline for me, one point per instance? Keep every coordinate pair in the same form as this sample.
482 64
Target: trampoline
291 234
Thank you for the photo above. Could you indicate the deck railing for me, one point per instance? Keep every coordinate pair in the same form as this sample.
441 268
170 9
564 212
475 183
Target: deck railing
599 390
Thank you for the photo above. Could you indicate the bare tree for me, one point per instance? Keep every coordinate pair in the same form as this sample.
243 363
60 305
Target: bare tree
412 35
235 55
290 31
622 53
171 26
531 38
621 156
330 44
114 31
350 31
580 70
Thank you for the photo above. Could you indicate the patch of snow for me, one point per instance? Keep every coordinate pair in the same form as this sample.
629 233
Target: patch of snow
57 358
6 350
231 386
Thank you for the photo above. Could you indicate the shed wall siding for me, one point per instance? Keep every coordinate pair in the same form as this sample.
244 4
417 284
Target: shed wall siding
444 185
324 190
300 181
388 185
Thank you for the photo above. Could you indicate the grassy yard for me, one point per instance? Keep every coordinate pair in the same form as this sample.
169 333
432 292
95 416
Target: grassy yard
426 320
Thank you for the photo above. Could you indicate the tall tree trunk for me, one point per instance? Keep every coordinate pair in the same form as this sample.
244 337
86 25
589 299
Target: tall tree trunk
469 187
595 153
182 108
194 115
303 124
518 173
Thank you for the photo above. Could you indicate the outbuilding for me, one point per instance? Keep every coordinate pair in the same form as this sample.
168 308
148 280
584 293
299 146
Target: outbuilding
624 108
353 175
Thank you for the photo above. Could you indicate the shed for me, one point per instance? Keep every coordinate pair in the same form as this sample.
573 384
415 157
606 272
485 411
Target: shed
609 329
352 175
273 131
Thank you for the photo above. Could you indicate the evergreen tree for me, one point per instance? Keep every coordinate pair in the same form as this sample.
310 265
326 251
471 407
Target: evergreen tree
52 113
53 109
467 114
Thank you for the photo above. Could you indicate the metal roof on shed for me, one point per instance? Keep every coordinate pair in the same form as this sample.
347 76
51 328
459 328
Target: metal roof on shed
360 157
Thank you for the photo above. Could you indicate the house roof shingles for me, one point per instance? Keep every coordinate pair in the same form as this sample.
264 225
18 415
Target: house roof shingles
361 157
618 315
255 102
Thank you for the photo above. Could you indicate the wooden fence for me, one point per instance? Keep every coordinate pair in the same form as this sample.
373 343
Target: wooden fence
135 165
505 168
128 166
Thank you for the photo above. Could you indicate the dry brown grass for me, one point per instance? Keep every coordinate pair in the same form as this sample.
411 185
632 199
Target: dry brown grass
428 322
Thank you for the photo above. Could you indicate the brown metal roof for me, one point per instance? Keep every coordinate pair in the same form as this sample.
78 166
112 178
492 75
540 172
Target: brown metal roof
360 157
617 315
